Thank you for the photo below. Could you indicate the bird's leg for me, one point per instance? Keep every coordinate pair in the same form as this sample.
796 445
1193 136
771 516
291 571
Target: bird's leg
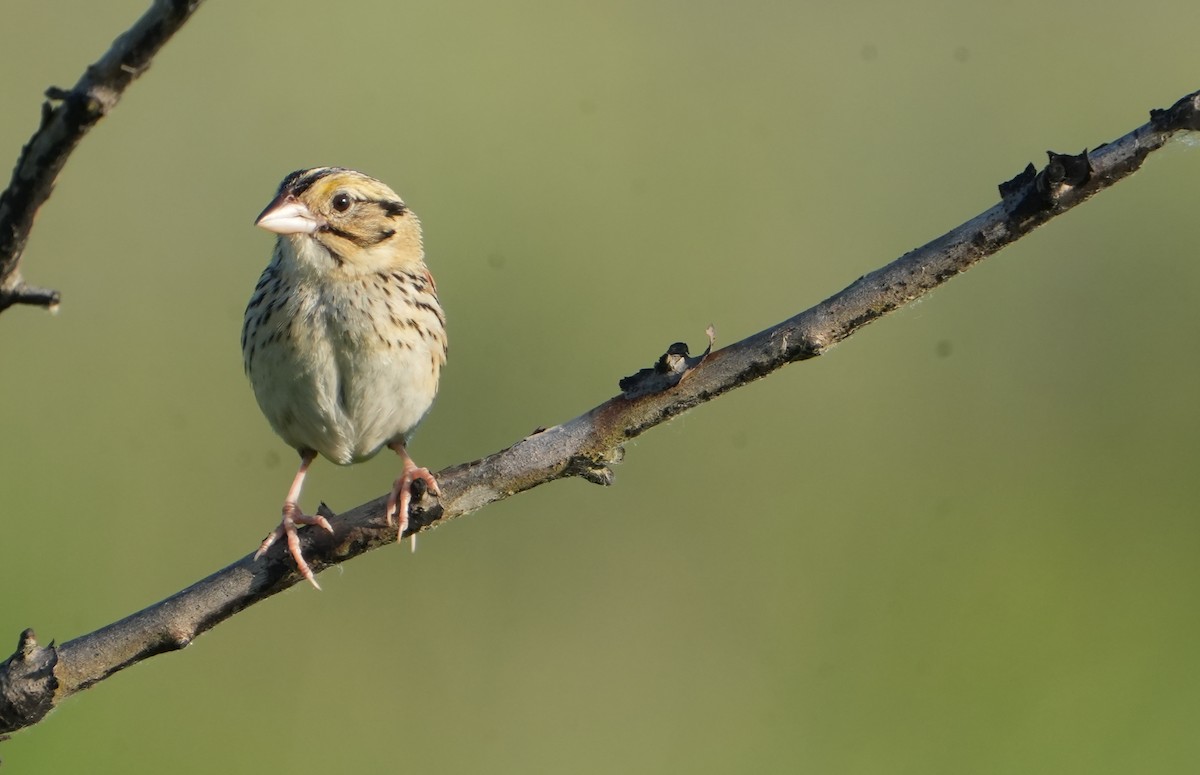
401 494
292 516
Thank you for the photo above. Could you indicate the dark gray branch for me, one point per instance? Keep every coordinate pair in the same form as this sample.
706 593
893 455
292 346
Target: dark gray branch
35 678
66 118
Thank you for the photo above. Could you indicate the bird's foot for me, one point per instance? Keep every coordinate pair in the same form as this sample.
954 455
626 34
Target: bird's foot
401 496
292 516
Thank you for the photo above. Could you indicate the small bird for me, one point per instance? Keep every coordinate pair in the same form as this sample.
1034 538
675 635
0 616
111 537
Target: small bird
344 338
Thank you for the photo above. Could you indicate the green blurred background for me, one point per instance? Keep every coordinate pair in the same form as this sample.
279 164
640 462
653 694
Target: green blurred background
964 541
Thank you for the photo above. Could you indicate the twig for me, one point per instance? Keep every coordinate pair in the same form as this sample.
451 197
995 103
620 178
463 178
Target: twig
67 115
36 678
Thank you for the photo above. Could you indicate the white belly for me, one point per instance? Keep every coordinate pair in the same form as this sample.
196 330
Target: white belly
327 380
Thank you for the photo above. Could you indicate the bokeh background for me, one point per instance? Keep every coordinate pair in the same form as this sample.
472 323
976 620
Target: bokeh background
964 541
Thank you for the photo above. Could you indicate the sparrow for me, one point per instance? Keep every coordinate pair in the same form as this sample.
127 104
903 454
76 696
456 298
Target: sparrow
344 338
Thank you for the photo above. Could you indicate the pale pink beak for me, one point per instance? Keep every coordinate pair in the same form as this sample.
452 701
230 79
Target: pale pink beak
287 215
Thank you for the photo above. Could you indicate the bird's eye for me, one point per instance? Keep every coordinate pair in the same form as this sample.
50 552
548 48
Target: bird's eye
341 202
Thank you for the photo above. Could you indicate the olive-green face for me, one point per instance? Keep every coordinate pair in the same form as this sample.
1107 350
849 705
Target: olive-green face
349 207
357 222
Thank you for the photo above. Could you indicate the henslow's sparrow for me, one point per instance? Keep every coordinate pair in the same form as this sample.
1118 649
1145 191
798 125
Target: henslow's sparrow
344 338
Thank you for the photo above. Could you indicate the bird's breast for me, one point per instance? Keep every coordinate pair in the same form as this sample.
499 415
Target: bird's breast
348 367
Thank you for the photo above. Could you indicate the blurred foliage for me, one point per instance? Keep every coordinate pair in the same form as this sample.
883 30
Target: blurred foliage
964 541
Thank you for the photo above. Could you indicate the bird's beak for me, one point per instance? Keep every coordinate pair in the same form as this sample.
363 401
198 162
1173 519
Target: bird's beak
287 215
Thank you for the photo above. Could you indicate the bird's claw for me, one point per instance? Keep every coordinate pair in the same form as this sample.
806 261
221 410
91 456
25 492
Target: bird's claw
400 497
292 516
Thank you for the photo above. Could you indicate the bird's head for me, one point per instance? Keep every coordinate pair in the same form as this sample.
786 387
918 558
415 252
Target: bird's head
336 217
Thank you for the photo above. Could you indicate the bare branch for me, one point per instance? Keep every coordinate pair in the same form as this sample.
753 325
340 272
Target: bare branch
66 118
36 678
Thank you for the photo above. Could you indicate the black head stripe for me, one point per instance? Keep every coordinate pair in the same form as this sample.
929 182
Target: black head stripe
393 207
360 240
302 180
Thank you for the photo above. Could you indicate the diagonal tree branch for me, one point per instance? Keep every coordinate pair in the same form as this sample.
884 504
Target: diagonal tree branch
36 678
66 118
